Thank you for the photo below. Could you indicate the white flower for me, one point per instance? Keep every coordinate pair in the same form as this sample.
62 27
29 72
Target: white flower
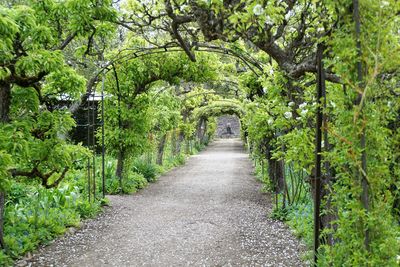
182 8
288 115
291 104
271 72
303 112
333 104
289 15
258 10
268 20
398 259
264 90
302 105
270 121
384 4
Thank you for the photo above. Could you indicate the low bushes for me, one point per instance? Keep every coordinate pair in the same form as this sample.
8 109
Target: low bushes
35 215
148 170
129 184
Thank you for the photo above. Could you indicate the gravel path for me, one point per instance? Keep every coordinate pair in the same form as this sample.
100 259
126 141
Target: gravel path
209 212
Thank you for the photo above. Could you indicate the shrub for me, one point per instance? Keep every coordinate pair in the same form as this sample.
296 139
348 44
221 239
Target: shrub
148 170
179 160
130 183
35 215
134 181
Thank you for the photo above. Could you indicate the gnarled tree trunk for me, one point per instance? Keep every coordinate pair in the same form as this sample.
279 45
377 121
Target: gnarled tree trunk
5 102
173 142
199 129
204 133
179 141
160 151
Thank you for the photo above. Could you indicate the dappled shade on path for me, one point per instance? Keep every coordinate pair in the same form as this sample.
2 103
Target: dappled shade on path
209 212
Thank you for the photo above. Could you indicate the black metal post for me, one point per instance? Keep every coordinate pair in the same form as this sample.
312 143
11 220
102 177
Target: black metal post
318 150
94 113
102 138
362 173
88 143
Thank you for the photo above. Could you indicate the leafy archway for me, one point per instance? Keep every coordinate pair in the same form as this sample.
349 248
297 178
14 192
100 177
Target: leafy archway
210 111
220 107
345 136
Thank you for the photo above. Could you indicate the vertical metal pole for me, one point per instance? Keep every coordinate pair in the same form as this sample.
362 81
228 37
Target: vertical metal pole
102 138
94 112
88 142
362 174
318 150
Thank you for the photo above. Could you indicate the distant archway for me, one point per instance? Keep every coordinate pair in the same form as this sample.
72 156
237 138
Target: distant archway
229 112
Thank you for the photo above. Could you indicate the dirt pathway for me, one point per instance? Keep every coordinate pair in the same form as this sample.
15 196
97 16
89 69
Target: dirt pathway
209 212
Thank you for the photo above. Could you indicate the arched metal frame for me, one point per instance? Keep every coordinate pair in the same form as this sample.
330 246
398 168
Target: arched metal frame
249 62
108 66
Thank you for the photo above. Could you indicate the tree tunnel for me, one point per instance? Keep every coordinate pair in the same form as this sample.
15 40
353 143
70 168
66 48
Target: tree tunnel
216 109
316 88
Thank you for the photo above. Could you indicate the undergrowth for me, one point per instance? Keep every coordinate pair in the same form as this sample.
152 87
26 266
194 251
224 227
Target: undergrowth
35 215
297 214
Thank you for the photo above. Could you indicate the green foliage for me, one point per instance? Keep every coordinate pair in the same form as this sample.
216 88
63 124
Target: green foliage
280 213
179 160
162 92
35 215
165 109
131 183
261 174
219 107
300 218
127 125
131 108
148 170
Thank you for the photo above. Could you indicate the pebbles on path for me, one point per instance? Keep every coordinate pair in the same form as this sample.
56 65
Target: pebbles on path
209 212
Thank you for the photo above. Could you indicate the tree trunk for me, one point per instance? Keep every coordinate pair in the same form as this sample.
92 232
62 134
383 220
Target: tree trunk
199 130
5 103
2 207
187 147
173 142
181 138
120 164
276 171
161 146
204 133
